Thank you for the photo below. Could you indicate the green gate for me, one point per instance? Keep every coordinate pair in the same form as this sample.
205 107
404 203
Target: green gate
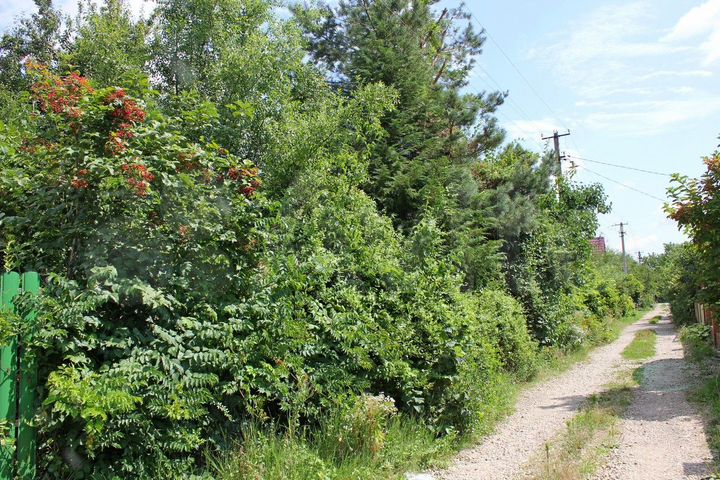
18 378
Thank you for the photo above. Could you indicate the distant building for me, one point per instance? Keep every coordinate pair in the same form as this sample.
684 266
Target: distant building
598 244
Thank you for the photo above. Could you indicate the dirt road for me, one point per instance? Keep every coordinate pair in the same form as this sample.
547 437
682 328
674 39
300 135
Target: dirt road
662 435
659 420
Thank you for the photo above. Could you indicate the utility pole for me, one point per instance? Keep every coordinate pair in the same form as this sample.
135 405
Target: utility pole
622 242
556 141
639 257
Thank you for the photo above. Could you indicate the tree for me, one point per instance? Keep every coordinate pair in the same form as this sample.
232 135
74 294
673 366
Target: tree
437 131
109 46
695 206
39 36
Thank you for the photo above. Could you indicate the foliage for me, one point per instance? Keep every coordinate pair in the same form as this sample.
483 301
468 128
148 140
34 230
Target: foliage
695 207
277 455
39 36
507 326
175 317
697 340
240 239
548 264
109 47
156 233
437 133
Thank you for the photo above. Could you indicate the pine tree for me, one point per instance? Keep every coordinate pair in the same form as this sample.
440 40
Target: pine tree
437 131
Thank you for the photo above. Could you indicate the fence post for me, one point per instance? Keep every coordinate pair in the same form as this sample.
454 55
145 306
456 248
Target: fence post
26 441
9 287
18 379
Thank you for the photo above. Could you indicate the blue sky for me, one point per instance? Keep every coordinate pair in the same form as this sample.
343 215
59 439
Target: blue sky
636 82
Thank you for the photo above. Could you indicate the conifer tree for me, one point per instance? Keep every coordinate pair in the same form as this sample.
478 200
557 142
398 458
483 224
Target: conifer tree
437 131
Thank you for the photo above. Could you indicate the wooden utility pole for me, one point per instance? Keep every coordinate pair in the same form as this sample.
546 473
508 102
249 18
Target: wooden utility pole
622 242
556 141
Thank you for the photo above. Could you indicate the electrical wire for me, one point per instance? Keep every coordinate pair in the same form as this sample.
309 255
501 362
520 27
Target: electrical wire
500 112
547 105
620 166
664 200
509 98
507 57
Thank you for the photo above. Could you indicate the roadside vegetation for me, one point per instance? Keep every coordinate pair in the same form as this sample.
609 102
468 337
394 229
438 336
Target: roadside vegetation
698 347
695 279
282 247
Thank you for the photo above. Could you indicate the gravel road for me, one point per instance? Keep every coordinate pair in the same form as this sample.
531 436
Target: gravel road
662 435
541 413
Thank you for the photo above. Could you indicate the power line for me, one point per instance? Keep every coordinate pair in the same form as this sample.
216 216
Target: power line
507 57
524 78
664 200
511 101
620 166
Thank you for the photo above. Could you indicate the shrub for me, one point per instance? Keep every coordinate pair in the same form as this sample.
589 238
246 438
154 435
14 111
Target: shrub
184 303
152 243
633 288
697 341
507 328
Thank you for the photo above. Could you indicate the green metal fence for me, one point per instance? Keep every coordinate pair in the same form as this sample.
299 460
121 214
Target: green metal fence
18 379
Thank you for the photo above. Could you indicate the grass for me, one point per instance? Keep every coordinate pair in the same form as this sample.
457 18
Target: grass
708 395
589 437
407 445
655 320
642 346
700 351
267 455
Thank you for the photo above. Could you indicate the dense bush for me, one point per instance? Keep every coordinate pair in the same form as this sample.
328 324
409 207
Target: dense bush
697 340
696 208
177 311
246 246
507 327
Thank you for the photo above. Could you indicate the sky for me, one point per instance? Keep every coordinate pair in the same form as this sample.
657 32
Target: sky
635 82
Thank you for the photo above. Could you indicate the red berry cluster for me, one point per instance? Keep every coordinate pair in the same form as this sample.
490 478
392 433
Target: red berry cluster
139 178
60 95
249 177
78 182
187 162
125 114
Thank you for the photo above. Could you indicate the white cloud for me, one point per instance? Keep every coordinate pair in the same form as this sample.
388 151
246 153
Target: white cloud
674 73
712 47
532 129
610 57
599 54
701 21
698 21
649 118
